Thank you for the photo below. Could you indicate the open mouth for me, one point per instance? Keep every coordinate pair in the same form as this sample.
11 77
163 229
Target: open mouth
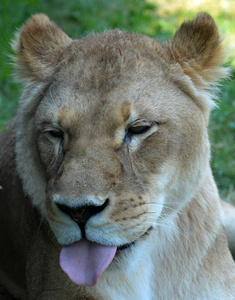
85 261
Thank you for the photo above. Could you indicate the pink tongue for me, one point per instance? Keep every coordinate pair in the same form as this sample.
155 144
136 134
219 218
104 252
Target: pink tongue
85 261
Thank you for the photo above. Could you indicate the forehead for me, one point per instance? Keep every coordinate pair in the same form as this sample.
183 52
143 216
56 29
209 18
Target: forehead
101 62
143 94
97 77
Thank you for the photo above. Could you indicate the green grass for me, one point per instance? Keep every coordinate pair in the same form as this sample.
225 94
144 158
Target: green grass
222 133
154 18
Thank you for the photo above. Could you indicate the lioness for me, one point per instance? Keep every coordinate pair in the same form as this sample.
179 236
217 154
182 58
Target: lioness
107 191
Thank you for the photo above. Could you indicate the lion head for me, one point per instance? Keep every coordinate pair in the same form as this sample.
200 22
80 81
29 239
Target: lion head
112 134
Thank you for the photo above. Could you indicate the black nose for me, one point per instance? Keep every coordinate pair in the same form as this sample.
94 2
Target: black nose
82 214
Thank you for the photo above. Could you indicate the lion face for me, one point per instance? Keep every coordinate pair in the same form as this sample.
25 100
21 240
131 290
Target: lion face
109 149
109 143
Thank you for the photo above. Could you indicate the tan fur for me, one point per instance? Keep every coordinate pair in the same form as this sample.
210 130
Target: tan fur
71 145
228 218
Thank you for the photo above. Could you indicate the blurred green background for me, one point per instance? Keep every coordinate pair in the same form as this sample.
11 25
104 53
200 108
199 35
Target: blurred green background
156 18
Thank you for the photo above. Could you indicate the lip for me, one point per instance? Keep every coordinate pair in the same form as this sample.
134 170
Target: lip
128 245
123 247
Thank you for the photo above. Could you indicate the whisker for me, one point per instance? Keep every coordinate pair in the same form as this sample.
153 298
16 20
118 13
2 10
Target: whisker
174 229
164 202
165 223
166 206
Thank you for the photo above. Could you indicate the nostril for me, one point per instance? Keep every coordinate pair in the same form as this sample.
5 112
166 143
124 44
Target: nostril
94 209
81 214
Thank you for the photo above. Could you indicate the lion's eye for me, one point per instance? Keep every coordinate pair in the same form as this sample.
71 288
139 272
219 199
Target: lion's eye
138 129
54 136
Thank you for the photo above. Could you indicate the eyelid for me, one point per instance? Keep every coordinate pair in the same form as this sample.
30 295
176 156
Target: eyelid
51 128
141 123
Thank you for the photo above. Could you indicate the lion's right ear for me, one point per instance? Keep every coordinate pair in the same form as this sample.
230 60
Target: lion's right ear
197 51
39 46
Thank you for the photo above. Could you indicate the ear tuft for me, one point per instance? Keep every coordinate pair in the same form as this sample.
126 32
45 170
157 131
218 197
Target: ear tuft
197 49
39 46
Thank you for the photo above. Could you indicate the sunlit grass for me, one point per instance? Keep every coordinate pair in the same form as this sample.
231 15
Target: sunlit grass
223 11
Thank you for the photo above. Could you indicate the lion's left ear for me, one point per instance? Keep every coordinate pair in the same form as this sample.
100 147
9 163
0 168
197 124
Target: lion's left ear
39 46
196 50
